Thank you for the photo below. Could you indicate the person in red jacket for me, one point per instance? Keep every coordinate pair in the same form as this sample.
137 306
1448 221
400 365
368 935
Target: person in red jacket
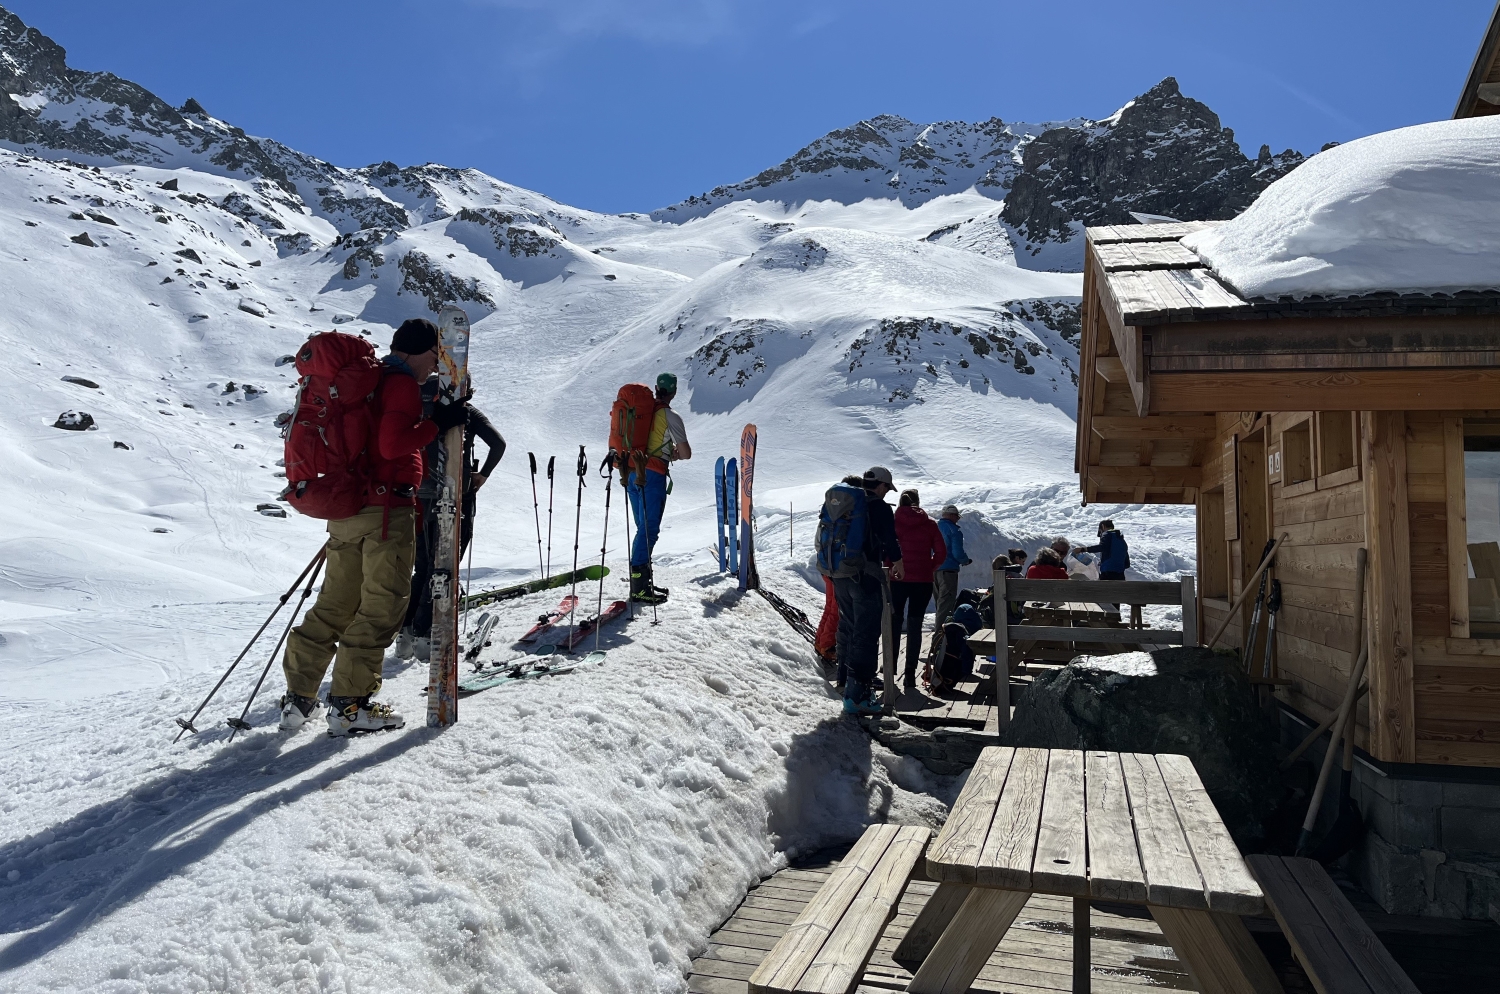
923 551
370 554
1047 566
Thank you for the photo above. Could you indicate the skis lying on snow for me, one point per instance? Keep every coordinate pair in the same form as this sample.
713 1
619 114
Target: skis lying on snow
481 636
535 586
565 607
544 662
586 628
795 617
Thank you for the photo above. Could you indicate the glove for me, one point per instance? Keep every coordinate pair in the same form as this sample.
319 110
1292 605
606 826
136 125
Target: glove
447 416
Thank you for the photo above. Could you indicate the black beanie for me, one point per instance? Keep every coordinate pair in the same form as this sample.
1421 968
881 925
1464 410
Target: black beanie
415 336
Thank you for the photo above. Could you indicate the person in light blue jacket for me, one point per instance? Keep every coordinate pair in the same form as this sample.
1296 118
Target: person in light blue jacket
945 578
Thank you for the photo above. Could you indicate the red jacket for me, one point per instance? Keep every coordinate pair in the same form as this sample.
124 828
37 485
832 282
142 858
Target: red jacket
922 547
400 435
1042 571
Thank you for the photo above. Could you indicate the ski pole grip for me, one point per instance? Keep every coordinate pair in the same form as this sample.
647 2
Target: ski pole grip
532 457
583 463
551 461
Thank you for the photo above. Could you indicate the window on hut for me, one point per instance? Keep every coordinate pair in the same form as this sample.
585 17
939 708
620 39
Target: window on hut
1482 500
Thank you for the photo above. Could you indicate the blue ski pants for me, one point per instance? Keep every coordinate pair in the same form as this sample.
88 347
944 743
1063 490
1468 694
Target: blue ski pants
861 606
647 505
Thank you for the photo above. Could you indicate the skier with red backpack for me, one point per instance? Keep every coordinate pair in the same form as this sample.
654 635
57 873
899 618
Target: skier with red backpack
645 437
354 457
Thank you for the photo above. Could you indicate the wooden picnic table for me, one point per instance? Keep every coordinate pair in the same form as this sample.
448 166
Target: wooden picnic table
1123 827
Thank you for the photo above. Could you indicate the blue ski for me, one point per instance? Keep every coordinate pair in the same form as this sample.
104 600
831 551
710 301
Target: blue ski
732 511
719 501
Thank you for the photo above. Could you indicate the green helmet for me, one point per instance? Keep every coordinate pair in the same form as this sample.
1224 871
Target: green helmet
667 383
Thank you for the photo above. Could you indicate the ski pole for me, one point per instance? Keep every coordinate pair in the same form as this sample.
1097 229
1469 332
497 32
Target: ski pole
551 488
186 724
240 724
609 485
536 512
583 471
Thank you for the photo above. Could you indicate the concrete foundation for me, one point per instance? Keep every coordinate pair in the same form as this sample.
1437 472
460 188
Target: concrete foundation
1432 833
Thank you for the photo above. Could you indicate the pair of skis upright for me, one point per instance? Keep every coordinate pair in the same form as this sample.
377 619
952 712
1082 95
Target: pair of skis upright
733 489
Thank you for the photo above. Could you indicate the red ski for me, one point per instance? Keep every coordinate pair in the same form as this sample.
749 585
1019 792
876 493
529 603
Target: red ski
586 628
565 607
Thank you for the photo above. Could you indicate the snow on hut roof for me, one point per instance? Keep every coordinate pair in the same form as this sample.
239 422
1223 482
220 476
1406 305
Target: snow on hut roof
1416 210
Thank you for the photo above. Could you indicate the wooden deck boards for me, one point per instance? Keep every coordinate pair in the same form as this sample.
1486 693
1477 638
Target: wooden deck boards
1036 957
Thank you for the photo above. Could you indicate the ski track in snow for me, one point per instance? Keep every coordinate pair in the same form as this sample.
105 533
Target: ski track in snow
583 833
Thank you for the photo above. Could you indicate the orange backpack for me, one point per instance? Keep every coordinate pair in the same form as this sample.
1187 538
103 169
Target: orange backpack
630 418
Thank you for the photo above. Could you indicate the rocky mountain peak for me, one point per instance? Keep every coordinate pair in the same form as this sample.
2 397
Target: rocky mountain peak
1163 153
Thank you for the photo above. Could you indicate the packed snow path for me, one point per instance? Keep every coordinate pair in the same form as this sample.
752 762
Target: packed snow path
583 833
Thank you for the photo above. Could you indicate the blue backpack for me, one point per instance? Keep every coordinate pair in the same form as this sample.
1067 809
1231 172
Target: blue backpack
841 531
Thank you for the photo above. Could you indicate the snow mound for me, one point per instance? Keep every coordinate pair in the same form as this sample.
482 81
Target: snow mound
1411 210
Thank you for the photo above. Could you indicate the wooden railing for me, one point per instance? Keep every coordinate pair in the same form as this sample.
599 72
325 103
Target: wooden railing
1087 591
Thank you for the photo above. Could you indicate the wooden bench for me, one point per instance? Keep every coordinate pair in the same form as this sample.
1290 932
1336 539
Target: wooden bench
1008 589
826 948
1332 942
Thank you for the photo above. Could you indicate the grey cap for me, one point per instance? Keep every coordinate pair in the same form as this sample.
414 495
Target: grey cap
950 509
879 474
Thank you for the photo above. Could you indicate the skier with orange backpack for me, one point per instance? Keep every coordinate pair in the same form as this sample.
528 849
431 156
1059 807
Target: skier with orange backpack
645 437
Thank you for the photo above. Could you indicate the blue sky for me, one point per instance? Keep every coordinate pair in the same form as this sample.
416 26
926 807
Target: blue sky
619 105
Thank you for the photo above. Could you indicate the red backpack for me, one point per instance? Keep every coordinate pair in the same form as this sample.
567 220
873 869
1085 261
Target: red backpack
327 471
630 418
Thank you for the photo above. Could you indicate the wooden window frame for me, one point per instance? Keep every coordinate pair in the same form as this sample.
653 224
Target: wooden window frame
1456 491
1309 485
1339 477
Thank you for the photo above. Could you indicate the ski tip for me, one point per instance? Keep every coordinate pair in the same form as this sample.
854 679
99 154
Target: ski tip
597 656
545 650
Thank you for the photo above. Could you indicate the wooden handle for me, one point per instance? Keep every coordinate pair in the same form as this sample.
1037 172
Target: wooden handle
1245 591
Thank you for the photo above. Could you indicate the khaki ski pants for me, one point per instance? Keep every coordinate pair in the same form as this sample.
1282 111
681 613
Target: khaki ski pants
360 608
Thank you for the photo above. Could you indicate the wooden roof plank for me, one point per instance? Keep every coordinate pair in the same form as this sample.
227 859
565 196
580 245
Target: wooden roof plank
1166 231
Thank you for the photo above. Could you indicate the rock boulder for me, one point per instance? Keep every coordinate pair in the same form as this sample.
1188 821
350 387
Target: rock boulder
1190 701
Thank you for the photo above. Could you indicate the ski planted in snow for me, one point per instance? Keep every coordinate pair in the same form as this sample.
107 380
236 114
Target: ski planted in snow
565 607
719 503
748 579
732 511
545 661
453 383
586 628
535 586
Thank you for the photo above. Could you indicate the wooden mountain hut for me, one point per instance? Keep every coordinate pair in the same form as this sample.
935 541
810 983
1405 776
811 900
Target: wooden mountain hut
1342 422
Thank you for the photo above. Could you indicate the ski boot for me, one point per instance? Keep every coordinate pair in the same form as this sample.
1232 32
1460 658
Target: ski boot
859 701
405 644
421 648
641 589
360 714
297 710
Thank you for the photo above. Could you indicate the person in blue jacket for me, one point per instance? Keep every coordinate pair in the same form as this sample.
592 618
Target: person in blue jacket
1114 554
945 579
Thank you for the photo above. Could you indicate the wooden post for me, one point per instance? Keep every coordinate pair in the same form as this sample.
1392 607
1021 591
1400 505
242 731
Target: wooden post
1189 611
1002 655
887 644
1388 536
1082 958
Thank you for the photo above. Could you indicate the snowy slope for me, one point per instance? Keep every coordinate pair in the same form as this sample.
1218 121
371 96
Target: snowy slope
581 835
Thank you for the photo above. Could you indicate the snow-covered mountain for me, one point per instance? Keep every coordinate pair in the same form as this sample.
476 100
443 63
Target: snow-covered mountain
1162 153
156 264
